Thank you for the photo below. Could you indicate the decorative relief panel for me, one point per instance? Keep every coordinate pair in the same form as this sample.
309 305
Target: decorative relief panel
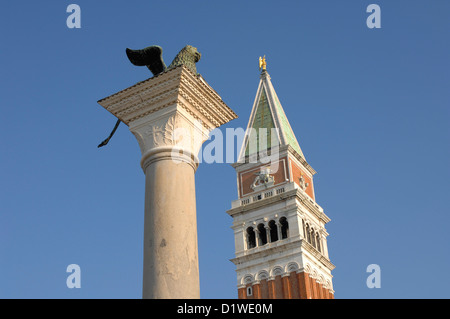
262 177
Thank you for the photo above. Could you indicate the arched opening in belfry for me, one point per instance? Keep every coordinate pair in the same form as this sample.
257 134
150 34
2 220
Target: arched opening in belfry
273 228
251 238
284 228
262 234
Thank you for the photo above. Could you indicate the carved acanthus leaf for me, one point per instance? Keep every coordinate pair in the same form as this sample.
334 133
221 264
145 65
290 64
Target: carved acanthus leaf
163 134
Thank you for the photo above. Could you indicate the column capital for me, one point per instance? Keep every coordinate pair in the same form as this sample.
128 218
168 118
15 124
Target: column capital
173 110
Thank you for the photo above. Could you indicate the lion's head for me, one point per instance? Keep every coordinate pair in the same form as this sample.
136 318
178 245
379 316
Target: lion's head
188 56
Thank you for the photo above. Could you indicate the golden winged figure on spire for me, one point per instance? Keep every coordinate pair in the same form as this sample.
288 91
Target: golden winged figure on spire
262 63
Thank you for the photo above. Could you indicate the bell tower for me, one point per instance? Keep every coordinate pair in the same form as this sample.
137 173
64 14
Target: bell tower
279 230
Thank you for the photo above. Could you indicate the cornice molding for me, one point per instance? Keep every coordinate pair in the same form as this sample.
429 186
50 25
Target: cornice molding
301 159
262 251
177 86
312 206
291 245
318 255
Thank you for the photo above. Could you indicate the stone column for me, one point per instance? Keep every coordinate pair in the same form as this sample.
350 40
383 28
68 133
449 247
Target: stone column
267 233
278 230
257 241
170 115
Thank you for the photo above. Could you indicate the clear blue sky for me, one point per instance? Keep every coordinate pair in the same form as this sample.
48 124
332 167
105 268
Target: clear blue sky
370 108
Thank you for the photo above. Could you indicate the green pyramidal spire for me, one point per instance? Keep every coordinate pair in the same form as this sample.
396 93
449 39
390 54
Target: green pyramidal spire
268 113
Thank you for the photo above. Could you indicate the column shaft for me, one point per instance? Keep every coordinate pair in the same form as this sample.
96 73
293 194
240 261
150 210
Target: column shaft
170 230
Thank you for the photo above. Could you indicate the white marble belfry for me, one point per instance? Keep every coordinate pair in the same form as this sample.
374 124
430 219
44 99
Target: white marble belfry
170 115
